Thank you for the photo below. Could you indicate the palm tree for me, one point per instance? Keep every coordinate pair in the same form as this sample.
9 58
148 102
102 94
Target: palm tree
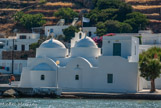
150 65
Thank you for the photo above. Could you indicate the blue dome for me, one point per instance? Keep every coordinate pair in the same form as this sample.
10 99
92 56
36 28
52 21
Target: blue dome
52 43
86 42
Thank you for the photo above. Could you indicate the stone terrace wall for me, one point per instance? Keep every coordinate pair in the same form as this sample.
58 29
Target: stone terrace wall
18 55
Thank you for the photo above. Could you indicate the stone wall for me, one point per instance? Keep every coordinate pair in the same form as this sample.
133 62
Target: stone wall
18 55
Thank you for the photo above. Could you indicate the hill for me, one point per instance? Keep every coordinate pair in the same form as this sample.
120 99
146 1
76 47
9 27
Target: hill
47 7
8 8
152 9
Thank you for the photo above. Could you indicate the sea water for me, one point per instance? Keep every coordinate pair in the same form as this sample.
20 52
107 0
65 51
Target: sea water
77 103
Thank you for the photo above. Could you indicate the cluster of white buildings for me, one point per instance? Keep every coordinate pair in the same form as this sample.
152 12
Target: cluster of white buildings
22 41
84 66
19 43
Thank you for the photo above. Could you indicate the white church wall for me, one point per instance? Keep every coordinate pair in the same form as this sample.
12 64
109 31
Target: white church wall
35 72
25 79
95 79
49 78
91 31
125 74
77 66
85 52
51 52
78 36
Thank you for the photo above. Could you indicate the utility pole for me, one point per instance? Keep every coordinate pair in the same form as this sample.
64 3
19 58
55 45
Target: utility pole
13 56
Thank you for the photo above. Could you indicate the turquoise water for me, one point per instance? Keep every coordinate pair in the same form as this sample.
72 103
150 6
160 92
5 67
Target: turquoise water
77 103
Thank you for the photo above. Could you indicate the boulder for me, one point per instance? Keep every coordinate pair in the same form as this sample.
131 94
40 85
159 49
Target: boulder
10 93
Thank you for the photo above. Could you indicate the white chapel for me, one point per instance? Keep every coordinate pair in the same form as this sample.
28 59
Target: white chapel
114 68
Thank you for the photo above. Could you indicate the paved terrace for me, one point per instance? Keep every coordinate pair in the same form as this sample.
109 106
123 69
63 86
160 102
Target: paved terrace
144 94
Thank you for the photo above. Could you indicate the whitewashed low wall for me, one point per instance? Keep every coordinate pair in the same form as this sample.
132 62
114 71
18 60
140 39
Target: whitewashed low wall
18 65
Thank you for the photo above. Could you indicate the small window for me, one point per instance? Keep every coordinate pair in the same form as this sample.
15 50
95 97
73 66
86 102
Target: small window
7 43
42 77
15 47
76 77
23 37
1 46
90 34
22 47
51 30
80 35
109 78
77 65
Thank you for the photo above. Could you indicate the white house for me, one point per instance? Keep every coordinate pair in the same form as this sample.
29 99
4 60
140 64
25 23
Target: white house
58 30
149 40
21 43
84 68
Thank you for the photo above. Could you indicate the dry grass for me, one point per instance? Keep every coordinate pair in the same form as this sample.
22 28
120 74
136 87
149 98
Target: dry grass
140 1
154 21
50 18
9 9
41 11
49 23
142 7
4 28
153 14
64 4
19 1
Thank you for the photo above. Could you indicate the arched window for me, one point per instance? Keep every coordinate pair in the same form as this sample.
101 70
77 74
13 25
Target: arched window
90 34
42 77
76 77
80 35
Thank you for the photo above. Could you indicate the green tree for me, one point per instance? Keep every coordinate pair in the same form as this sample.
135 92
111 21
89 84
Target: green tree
105 4
101 29
29 20
113 26
33 46
125 28
118 11
66 13
18 16
137 20
69 32
150 65
124 9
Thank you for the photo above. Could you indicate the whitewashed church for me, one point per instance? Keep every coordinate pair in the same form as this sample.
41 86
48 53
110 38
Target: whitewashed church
114 68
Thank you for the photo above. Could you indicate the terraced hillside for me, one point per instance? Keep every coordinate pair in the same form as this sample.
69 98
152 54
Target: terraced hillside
9 7
151 8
